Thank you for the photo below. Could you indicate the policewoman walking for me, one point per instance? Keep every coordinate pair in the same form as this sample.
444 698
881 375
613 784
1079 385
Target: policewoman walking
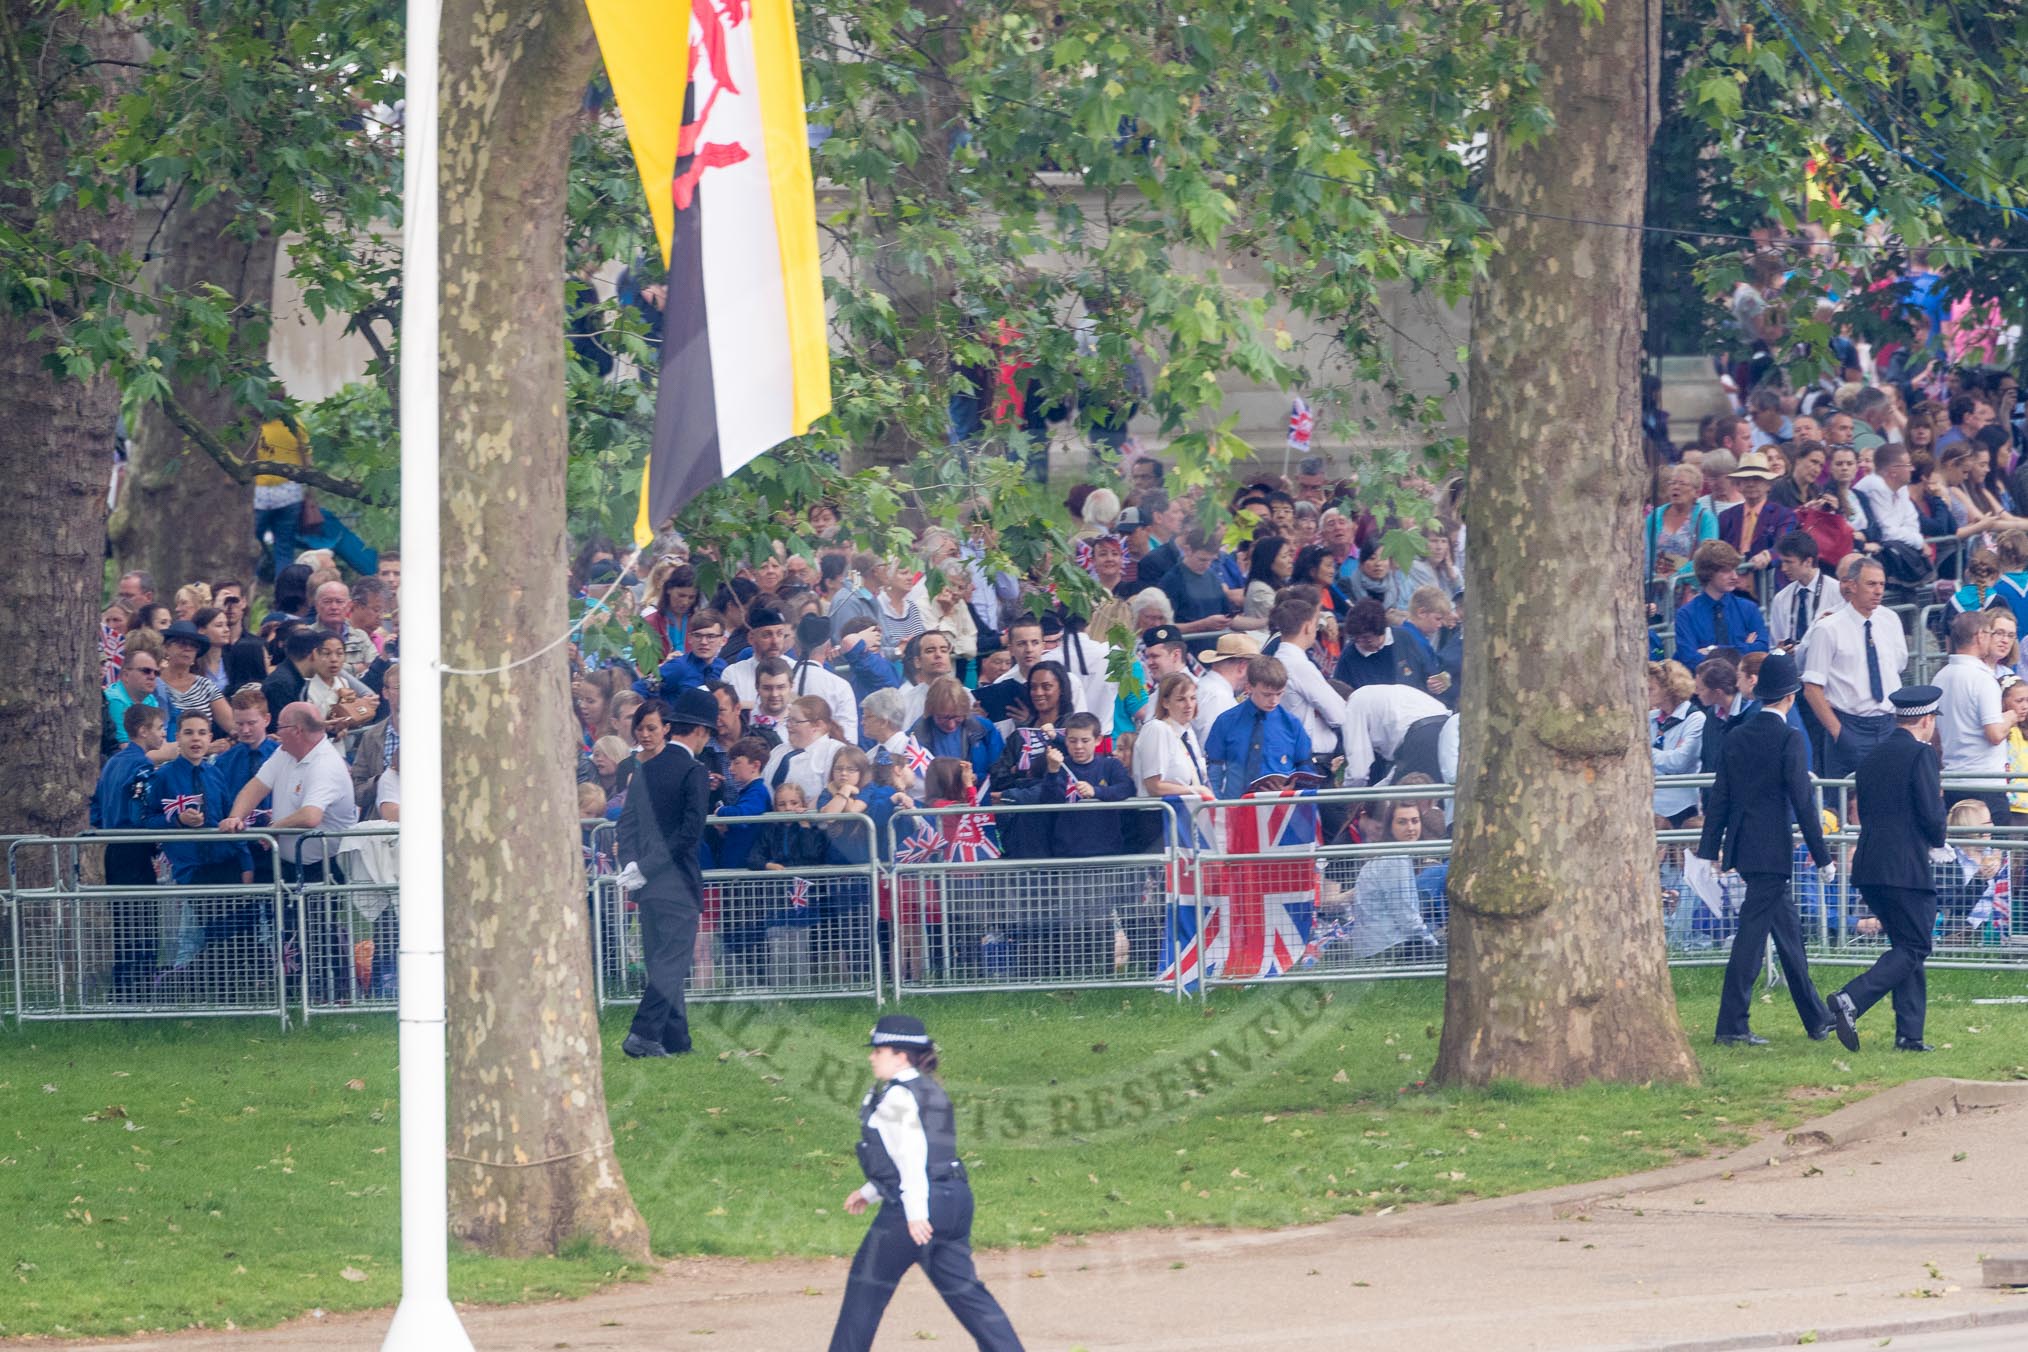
908 1150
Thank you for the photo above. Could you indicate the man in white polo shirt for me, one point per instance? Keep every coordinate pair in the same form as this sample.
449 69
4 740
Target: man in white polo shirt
1971 727
1852 663
312 791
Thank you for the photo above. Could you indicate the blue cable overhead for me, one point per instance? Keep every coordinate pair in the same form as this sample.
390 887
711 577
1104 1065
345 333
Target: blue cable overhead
1930 168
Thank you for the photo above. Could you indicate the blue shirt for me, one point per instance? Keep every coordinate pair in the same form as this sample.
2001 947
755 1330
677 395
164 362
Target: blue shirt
180 779
116 802
683 671
1284 746
1697 629
239 763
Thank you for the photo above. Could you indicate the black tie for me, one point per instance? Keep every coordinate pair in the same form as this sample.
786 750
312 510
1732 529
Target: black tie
1802 612
1253 751
1721 632
782 770
1873 680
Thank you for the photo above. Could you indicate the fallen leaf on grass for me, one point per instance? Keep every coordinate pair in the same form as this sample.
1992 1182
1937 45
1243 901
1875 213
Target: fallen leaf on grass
355 1085
352 1274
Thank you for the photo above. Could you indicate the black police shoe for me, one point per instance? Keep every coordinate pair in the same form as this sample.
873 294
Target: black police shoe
1916 1045
1740 1040
640 1047
1844 1020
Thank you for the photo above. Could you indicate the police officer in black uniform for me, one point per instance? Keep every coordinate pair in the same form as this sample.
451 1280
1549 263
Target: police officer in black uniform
661 827
1764 782
908 1150
1901 819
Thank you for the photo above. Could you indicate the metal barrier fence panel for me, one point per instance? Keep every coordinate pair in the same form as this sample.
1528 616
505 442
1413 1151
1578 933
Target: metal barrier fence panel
895 907
143 944
960 916
346 920
785 930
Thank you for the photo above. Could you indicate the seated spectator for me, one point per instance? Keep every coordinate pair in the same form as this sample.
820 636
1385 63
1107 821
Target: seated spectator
1269 569
1756 524
1676 730
1257 737
1387 920
1378 579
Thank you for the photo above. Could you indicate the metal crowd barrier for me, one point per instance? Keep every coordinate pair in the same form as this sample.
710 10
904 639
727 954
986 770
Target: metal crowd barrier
157 949
959 922
799 931
1246 894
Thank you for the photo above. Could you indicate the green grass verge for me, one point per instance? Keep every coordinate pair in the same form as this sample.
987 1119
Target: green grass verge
164 1175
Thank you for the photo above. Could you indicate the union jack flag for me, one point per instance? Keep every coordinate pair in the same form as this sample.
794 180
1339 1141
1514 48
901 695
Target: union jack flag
181 803
799 894
1033 740
918 757
1997 905
112 653
1302 423
1259 907
260 816
923 845
971 841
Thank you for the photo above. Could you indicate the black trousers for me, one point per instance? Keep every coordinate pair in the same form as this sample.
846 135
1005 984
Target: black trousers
1908 915
887 1253
131 863
1768 910
668 938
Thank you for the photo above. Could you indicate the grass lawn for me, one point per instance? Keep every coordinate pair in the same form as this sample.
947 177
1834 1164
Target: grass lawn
161 1175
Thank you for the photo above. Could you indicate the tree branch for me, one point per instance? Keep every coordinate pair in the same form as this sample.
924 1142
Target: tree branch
243 471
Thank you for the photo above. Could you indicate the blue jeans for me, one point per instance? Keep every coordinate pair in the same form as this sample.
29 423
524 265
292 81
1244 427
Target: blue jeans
286 525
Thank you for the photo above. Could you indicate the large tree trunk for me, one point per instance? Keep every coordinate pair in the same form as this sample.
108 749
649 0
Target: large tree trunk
532 1161
1558 968
180 516
56 440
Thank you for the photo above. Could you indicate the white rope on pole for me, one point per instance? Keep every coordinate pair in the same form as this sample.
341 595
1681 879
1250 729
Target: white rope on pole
426 1321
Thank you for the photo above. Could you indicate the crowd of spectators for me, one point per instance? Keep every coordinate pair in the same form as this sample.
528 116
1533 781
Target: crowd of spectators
1822 519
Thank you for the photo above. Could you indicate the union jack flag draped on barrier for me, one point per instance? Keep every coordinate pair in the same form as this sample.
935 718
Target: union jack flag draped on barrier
1258 912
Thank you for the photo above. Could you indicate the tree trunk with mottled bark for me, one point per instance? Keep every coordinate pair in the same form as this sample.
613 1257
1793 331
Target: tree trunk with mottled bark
532 1161
1558 966
180 516
56 445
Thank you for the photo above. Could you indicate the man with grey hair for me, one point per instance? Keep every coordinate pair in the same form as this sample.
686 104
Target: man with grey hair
1852 661
311 791
1881 422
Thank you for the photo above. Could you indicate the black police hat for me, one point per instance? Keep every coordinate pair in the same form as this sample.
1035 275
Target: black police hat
693 707
904 1031
1163 633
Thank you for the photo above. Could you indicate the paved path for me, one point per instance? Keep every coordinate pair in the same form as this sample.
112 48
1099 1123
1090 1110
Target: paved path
1874 1228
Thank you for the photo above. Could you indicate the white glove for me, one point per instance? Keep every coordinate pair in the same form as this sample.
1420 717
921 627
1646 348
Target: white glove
630 878
1829 872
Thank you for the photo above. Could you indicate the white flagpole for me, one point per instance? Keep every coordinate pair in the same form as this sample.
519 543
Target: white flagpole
426 1321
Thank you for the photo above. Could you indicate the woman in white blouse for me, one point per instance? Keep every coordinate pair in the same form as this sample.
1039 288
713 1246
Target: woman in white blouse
805 758
1168 762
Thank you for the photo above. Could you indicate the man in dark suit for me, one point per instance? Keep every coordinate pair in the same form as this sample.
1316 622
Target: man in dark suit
661 827
1763 782
1901 819
1754 525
